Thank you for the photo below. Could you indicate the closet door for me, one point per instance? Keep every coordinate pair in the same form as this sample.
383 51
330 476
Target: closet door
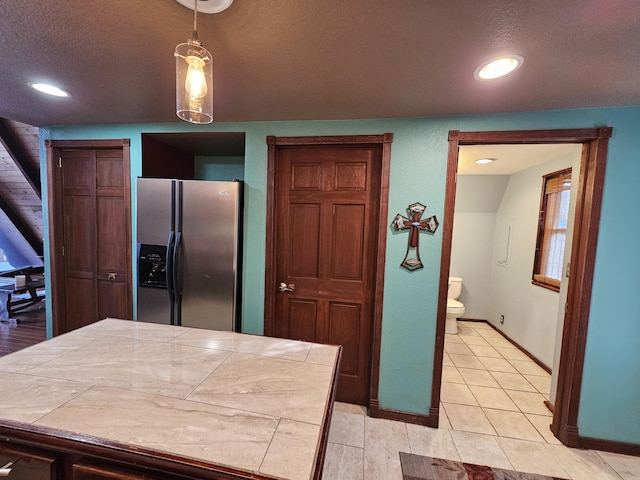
90 233
78 172
113 247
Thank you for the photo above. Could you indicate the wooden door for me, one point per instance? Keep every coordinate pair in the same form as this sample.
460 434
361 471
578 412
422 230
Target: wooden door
78 173
326 209
90 234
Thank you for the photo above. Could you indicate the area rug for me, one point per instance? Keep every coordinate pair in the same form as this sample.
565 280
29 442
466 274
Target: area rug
417 467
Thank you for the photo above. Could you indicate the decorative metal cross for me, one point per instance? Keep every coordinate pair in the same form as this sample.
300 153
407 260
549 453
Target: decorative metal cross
416 225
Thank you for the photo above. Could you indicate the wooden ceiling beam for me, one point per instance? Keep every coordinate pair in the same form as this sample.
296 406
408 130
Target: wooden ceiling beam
19 156
26 231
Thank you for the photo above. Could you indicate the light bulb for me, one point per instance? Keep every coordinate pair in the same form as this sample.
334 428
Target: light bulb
49 89
498 67
195 83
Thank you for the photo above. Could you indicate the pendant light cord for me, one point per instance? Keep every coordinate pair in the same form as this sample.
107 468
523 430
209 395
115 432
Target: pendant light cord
195 21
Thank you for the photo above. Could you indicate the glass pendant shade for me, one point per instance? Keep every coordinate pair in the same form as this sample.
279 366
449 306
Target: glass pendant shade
194 83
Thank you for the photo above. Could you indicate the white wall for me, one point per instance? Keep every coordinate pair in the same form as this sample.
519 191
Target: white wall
531 312
485 205
478 198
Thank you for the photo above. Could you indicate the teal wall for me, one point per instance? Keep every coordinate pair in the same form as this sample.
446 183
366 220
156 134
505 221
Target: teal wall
610 407
224 169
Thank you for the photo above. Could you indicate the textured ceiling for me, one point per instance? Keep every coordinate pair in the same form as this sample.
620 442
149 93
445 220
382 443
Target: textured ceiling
326 59
510 159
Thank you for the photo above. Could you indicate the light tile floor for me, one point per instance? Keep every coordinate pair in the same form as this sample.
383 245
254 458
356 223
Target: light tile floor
492 413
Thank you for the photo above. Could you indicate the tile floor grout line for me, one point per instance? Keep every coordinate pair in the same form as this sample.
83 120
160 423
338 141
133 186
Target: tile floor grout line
500 387
575 467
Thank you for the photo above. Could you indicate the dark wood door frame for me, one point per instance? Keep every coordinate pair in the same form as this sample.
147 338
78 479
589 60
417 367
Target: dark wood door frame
270 272
585 236
54 199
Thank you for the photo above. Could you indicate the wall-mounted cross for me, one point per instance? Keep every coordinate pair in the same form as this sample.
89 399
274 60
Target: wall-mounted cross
416 225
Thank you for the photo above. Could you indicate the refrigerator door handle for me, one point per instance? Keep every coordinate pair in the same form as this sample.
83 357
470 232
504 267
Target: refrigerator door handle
177 272
177 287
169 266
170 269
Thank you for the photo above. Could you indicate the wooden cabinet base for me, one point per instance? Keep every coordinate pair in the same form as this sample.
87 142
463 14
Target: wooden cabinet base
36 454
28 463
91 471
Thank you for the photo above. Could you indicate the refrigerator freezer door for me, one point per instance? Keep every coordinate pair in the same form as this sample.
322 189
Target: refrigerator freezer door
153 227
153 305
208 254
154 210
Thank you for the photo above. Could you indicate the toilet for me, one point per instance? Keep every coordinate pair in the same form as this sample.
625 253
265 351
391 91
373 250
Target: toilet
455 309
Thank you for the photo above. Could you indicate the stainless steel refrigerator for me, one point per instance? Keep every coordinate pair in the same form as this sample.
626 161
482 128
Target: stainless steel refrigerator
189 252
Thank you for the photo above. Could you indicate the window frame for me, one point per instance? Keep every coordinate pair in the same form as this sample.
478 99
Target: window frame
536 277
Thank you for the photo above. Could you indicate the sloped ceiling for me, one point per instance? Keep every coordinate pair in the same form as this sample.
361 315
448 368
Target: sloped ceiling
328 59
20 180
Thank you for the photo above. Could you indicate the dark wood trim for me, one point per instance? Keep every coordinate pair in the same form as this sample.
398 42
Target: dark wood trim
380 265
126 160
385 141
270 247
54 198
610 446
326 424
537 283
570 432
332 140
549 406
70 448
56 263
524 350
566 135
93 144
514 343
585 237
447 235
469 319
20 157
426 420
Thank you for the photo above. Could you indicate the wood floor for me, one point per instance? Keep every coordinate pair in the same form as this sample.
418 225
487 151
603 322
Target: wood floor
30 330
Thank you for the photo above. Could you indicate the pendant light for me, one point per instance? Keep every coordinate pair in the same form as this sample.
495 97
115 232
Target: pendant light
194 78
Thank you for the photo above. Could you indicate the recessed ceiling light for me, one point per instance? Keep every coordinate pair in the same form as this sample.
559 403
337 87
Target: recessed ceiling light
498 67
484 161
49 89
207 6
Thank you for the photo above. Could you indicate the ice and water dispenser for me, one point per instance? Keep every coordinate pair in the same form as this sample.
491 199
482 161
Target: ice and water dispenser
152 266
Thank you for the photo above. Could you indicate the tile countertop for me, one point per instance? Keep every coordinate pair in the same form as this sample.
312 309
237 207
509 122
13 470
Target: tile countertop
253 403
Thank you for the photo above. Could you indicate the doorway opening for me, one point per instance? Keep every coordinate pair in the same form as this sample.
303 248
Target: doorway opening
491 384
590 181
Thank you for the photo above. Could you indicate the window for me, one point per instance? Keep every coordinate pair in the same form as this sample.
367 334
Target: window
552 229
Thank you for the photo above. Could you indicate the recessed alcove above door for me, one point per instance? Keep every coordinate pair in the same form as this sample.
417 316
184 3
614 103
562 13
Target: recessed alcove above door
194 155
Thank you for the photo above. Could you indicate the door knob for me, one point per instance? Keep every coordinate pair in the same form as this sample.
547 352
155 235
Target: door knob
111 276
283 287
